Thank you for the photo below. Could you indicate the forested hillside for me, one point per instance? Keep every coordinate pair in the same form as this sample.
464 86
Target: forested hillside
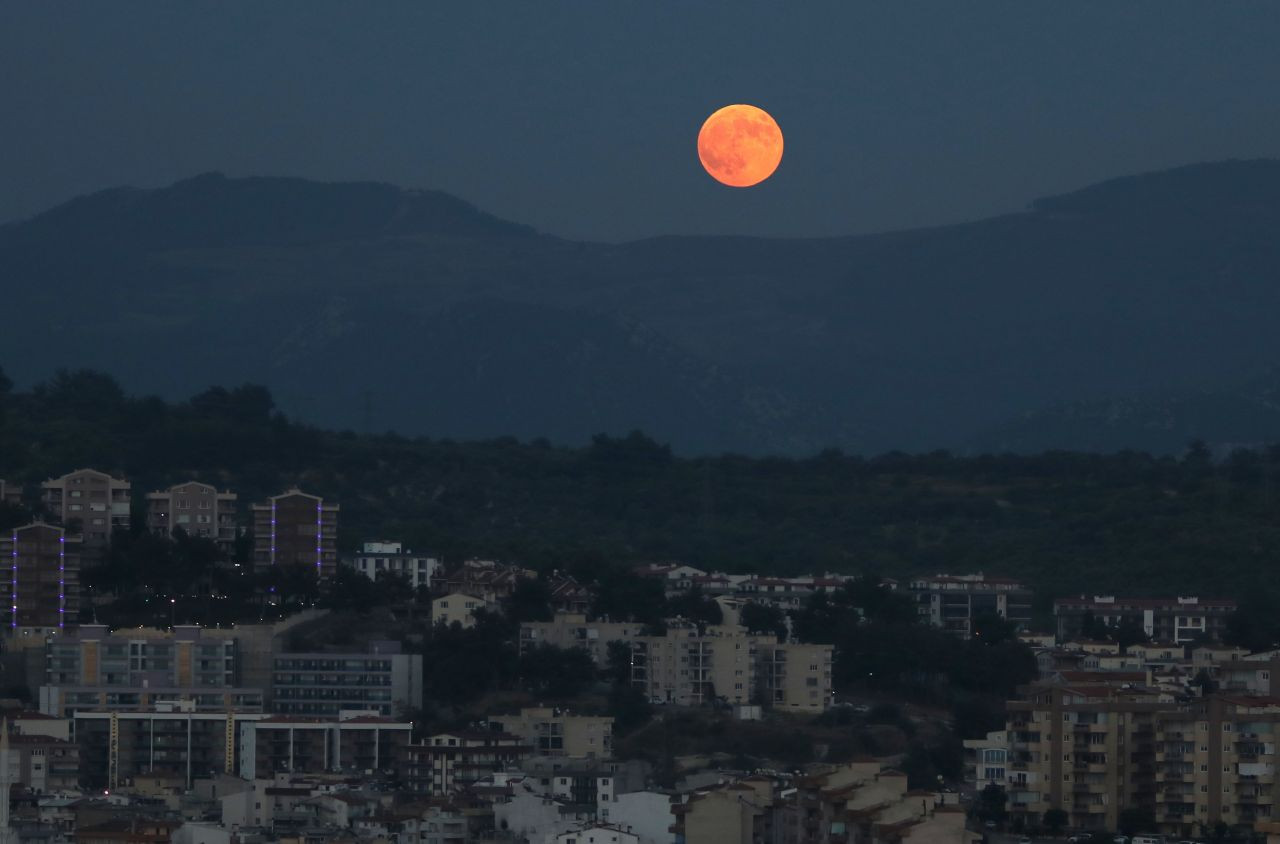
1065 522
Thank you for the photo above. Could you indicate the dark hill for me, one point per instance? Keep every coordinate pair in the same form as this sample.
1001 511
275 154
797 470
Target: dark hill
342 297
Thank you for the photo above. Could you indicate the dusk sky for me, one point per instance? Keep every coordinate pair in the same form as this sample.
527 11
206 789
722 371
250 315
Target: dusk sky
580 118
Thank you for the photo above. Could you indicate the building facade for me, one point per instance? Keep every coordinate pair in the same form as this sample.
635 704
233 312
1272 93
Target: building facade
572 630
555 732
90 504
296 529
384 681
447 762
353 742
690 667
953 602
197 509
168 741
43 586
392 557
1176 620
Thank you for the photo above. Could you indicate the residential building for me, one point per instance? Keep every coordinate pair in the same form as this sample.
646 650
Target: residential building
447 762
556 732
689 666
296 529
796 677
953 602
382 556
354 741
457 608
90 504
1175 620
66 701
646 813
135 670
485 579
597 833
986 760
169 740
10 493
319 684
44 763
43 586
572 630
1085 748
197 509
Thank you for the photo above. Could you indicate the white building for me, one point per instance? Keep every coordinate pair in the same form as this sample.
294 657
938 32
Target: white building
382 556
596 833
646 813
457 607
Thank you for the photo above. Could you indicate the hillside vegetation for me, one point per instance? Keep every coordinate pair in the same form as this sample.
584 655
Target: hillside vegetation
1064 522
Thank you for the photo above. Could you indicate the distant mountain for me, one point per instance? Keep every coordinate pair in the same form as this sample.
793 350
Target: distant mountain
364 304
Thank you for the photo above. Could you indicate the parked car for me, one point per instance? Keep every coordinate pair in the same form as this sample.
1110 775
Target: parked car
990 824
1024 840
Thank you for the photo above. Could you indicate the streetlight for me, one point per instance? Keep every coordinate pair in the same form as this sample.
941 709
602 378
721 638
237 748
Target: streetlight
172 612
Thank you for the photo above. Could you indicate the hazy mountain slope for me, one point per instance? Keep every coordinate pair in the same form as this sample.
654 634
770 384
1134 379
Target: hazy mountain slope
1159 284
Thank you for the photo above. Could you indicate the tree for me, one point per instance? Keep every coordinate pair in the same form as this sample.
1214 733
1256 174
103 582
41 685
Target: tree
990 628
1055 820
991 803
556 672
764 618
530 600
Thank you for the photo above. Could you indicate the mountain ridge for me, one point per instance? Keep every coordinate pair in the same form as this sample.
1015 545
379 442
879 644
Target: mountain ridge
1157 283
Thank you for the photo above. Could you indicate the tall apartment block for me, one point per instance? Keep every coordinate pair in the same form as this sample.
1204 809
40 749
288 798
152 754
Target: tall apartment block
198 509
296 529
1177 620
953 602
91 504
1095 750
43 583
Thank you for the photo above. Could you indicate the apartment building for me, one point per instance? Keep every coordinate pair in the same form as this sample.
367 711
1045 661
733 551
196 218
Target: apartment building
447 762
556 732
796 677
457 608
43 586
197 509
296 529
44 763
381 556
90 504
688 666
1216 762
1096 750
171 741
134 670
986 760
1087 749
354 741
321 684
10 493
1173 620
953 602
572 630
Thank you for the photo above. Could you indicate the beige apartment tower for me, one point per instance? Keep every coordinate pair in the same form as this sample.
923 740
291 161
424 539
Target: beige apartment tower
90 504
198 509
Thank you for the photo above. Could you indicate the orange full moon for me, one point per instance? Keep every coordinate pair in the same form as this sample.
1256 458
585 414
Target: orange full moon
740 145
